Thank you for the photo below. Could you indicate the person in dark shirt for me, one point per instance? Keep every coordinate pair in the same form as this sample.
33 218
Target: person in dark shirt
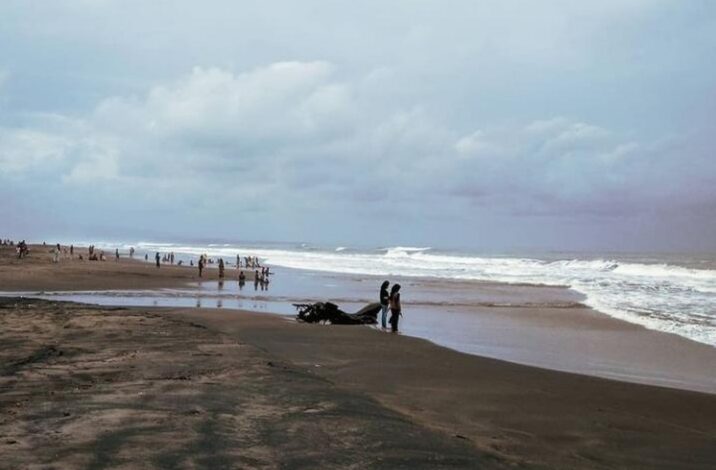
384 300
395 307
157 258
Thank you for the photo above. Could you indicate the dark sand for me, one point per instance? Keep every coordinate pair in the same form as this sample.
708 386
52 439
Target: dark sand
528 415
97 387
86 387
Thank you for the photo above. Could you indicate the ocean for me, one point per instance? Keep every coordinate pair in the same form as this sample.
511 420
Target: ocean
527 308
665 292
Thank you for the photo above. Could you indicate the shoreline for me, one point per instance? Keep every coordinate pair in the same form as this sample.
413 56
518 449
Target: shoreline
187 368
636 376
86 387
528 325
221 385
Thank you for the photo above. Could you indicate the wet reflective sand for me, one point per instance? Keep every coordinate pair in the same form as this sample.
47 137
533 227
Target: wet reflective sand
534 325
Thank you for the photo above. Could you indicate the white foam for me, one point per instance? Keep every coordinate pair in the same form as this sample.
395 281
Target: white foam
664 297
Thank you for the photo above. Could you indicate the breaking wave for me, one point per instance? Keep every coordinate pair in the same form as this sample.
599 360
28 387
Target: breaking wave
659 296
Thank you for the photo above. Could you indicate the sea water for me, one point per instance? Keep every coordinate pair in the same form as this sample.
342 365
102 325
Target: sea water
475 303
670 293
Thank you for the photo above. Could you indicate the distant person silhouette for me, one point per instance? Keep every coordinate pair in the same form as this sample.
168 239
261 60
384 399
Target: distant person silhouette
157 258
395 308
384 302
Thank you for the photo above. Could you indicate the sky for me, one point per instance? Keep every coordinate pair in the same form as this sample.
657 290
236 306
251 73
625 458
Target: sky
496 125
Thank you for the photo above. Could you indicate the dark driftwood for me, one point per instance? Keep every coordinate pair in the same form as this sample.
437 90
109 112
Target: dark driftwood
329 312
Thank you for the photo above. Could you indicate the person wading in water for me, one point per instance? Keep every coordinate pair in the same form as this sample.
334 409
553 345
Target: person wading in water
395 309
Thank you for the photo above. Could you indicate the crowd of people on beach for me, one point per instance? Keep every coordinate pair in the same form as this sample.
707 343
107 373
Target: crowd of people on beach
20 247
93 254
59 252
389 298
261 273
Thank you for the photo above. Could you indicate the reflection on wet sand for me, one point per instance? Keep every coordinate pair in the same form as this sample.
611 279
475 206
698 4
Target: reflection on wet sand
534 325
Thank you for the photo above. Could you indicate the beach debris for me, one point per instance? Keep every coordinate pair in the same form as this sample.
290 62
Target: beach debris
327 312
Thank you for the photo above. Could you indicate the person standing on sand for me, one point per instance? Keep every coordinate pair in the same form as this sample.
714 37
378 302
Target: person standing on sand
395 308
384 301
116 254
157 258
201 264
221 268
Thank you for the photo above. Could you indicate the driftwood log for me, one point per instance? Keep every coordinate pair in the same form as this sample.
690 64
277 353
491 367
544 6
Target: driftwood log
329 312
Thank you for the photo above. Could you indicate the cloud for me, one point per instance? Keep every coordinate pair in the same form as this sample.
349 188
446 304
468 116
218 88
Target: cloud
293 135
97 162
424 112
565 167
27 149
291 98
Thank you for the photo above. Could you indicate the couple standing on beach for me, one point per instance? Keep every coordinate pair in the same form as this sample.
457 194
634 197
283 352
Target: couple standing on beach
391 301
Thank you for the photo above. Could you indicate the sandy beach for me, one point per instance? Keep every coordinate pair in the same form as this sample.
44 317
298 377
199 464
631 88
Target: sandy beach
37 272
357 235
85 386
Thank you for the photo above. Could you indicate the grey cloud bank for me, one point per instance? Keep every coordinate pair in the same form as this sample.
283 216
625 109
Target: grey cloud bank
498 126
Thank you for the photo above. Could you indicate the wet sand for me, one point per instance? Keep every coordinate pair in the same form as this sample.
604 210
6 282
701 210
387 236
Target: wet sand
534 325
526 415
87 386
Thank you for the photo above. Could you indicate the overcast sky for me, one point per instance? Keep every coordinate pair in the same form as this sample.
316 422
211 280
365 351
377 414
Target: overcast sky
495 125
